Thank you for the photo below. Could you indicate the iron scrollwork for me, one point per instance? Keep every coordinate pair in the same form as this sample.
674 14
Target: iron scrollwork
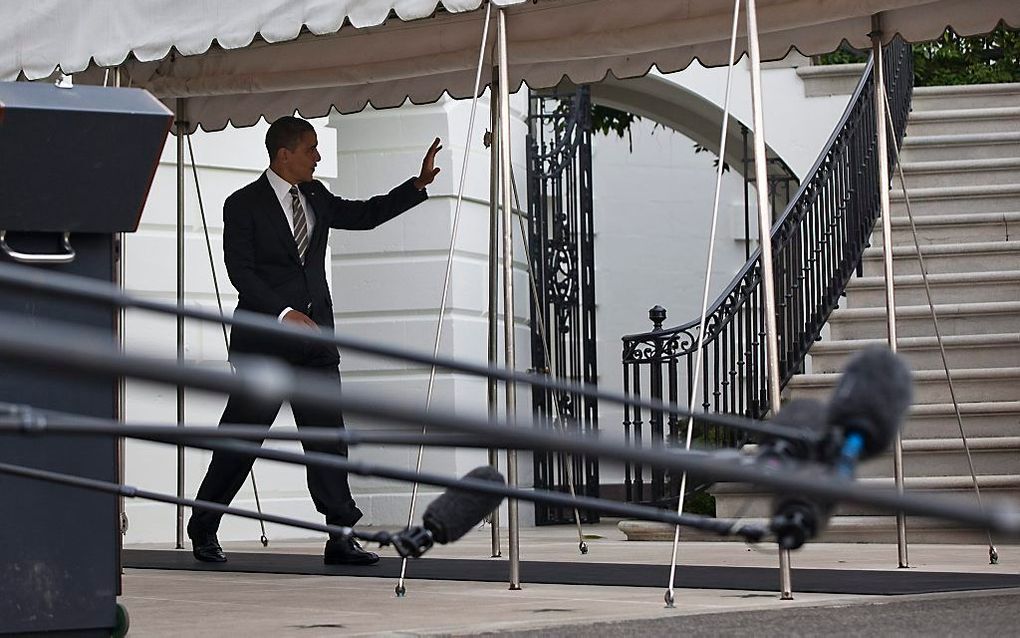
561 250
818 243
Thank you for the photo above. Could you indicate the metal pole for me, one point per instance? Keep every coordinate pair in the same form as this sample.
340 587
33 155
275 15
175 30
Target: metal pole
491 384
887 256
510 359
181 126
121 380
765 243
993 554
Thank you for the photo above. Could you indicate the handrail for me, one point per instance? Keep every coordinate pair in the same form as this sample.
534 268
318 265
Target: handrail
779 223
818 243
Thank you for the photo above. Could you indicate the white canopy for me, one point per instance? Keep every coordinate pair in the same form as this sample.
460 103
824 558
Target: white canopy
237 60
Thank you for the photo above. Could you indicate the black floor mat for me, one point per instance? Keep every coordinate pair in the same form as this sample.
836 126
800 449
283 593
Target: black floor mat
819 581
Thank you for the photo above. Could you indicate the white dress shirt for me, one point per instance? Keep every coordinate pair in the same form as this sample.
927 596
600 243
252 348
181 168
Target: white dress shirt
282 189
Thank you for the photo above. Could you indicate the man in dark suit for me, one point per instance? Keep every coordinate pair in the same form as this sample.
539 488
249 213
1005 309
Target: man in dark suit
274 245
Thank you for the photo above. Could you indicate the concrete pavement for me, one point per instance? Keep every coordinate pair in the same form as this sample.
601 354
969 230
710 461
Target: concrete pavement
164 603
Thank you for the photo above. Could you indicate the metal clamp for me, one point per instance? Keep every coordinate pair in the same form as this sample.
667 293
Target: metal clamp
41 258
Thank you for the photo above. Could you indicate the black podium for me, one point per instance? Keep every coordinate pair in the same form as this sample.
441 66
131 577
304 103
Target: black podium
76 165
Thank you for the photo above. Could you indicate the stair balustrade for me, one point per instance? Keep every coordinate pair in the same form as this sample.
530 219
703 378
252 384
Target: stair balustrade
818 244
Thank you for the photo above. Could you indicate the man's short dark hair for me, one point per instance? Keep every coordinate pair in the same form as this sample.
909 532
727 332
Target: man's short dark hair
285 132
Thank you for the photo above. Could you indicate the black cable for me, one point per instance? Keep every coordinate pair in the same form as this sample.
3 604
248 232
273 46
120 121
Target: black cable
26 278
34 423
129 491
55 346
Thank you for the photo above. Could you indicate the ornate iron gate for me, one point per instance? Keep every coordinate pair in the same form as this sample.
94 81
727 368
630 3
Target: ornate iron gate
561 251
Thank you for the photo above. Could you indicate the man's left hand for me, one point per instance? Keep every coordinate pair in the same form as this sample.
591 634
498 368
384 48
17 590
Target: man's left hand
429 170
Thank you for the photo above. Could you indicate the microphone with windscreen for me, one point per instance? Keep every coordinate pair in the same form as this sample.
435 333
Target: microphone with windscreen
798 518
863 417
868 405
456 512
804 414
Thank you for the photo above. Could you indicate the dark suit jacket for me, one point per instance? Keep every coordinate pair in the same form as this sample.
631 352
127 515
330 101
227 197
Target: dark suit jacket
262 260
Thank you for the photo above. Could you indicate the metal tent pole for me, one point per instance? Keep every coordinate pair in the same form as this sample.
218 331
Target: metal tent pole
765 243
181 127
510 359
120 317
491 383
887 255
993 553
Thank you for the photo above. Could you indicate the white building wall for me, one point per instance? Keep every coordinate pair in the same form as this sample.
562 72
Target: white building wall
652 210
226 160
388 283
651 243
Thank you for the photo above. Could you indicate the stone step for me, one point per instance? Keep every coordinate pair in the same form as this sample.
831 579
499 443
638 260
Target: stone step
744 500
915 321
882 529
840 529
959 172
972 96
922 148
945 229
947 457
909 290
922 353
830 79
938 420
1000 119
956 200
947 258
930 386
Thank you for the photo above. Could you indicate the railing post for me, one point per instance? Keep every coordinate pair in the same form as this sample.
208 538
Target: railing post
657 315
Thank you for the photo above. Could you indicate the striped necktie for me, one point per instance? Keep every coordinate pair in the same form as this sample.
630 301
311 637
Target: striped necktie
300 223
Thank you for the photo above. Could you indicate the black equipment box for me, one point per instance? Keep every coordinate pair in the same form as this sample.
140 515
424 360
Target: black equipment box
76 165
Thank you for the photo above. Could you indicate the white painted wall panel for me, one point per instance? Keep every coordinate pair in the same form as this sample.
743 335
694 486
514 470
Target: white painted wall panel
651 222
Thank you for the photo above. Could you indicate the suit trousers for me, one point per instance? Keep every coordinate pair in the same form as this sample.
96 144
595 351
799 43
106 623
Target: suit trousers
227 472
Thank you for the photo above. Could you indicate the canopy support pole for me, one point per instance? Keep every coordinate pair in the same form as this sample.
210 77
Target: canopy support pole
882 151
181 127
401 588
491 384
765 243
509 342
119 317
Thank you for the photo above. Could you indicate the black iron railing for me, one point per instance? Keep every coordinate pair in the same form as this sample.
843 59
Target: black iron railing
818 243
561 245
782 184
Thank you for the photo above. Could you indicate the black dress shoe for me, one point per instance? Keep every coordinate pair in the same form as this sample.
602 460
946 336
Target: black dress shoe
205 546
347 551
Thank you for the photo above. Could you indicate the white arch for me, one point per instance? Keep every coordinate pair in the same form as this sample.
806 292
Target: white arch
676 106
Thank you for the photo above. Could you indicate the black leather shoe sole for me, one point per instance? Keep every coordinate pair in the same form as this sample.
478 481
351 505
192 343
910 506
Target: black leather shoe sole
208 557
368 559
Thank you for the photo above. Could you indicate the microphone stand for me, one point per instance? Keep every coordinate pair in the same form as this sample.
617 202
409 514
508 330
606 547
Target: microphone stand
407 542
67 349
34 424
17 277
